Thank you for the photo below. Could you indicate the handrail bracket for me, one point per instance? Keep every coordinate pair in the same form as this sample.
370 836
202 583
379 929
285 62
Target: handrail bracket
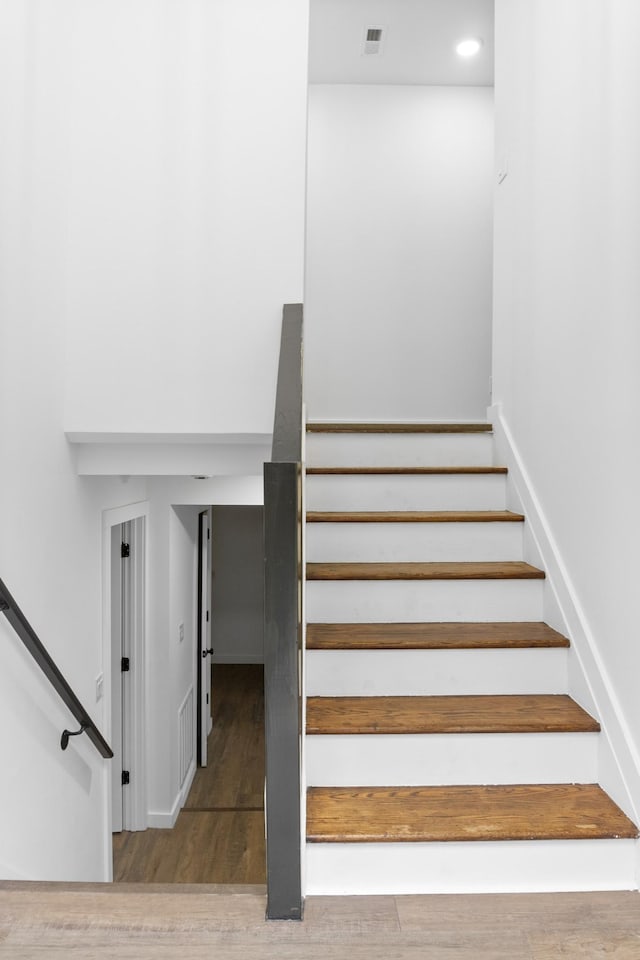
64 739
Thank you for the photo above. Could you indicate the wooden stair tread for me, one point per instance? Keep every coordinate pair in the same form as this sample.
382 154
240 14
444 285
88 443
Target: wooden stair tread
336 427
405 471
431 636
414 516
501 570
549 713
459 813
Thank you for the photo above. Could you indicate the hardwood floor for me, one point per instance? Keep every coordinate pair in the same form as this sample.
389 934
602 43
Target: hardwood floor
507 570
445 814
102 922
413 516
409 471
316 427
219 835
431 636
546 713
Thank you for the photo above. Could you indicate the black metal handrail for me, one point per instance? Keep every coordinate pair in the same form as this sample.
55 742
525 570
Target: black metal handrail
283 630
38 651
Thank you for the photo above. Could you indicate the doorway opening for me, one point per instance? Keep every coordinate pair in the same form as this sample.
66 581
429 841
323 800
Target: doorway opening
218 835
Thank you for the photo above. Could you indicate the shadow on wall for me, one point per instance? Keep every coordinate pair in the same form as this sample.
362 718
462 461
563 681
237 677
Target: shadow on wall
238 584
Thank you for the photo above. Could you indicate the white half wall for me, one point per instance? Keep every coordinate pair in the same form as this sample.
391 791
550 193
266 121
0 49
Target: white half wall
566 331
398 270
238 584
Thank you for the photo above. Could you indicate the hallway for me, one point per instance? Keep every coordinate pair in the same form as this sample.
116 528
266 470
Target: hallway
219 835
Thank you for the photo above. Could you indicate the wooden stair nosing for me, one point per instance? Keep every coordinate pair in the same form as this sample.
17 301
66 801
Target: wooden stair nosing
413 516
542 713
405 471
463 813
390 427
501 570
432 636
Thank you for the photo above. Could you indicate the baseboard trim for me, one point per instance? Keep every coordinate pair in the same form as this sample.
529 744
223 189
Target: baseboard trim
166 820
186 786
619 760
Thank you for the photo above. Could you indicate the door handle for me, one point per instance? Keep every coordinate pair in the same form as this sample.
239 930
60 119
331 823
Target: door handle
206 653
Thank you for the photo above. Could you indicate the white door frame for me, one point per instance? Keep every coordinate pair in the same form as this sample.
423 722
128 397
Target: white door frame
203 670
135 807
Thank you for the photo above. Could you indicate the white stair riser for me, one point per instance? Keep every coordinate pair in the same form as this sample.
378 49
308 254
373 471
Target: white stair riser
388 673
363 760
471 867
405 492
339 542
406 601
399 450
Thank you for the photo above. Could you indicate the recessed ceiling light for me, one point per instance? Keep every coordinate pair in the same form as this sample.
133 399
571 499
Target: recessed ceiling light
468 47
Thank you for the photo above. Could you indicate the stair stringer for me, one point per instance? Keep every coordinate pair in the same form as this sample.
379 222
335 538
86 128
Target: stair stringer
589 682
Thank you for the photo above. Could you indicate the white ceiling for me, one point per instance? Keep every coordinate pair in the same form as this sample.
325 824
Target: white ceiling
420 37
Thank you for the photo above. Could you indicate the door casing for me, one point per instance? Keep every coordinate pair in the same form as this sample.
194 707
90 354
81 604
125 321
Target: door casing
204 638
134 807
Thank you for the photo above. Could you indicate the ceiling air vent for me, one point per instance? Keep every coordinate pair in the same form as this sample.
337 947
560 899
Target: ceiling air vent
373 41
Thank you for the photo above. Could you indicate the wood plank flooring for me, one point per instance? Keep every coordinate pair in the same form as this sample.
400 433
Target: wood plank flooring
502 570
458 813
555 713
414 516
431 636
219 835
133 922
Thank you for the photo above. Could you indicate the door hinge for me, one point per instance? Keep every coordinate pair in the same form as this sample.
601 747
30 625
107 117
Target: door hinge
207 616
126 779
125 665
207 698
208 534
125 550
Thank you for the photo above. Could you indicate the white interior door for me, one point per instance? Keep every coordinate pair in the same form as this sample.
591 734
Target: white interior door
209 615
205 650
127 612
126 571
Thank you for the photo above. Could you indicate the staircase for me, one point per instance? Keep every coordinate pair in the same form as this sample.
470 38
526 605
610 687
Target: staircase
443 754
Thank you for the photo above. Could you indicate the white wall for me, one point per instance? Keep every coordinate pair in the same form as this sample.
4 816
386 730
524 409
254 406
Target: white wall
151 197
185 174
237 625
398 275
53 804
566 333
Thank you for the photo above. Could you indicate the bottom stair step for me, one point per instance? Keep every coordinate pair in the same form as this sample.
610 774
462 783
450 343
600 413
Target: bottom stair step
518 866
462 813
